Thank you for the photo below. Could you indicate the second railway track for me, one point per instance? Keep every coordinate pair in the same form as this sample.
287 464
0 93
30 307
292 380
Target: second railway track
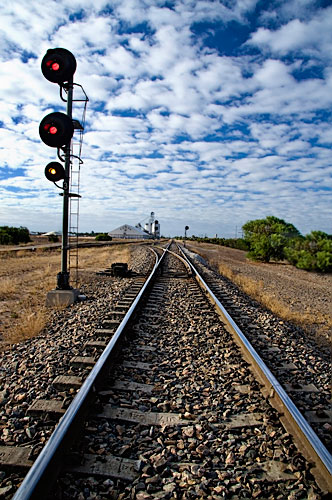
179 413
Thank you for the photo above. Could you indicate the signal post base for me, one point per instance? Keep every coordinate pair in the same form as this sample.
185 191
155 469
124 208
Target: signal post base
62 298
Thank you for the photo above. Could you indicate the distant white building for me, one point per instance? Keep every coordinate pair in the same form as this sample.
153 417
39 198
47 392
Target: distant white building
52 233
129 232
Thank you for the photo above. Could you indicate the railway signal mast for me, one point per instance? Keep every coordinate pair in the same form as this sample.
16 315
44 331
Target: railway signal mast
56 130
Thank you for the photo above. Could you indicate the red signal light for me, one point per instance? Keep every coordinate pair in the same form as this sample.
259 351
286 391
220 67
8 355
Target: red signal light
50 128
56 129
58 65
52 65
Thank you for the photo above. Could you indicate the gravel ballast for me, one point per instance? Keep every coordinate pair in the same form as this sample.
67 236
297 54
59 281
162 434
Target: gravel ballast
28 369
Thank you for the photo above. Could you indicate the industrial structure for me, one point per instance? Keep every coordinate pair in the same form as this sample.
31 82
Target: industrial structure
151 230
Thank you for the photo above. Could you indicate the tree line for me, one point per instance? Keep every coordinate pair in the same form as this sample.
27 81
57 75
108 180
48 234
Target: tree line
14 235
265 240
273 239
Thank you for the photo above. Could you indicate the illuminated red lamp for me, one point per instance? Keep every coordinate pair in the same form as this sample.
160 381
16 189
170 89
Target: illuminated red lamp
58 65
54 66
56 130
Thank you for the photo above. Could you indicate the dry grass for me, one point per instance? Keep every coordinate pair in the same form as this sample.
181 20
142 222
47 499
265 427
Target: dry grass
94 259
25 279
31 323
256 288
8 288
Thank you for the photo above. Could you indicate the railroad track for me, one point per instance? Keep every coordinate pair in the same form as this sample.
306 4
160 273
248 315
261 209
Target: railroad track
174 410
303 368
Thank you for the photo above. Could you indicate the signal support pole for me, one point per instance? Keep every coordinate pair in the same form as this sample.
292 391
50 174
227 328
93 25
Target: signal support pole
56 130
63 276
64 294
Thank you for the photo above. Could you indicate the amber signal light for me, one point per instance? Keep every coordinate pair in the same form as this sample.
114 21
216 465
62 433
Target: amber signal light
54 171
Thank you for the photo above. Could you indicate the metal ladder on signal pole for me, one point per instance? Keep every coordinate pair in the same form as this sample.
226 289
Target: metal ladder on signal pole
74 195
74 204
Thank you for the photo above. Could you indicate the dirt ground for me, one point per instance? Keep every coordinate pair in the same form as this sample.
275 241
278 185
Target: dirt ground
299 296
296 295
25 279
38 241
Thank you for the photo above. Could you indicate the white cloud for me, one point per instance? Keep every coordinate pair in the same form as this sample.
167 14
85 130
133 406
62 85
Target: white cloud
205 138
272 74
313 37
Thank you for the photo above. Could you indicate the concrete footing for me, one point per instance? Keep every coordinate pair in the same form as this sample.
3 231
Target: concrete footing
61 297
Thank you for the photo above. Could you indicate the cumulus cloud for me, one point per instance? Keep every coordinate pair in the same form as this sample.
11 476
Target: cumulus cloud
173 125
312 37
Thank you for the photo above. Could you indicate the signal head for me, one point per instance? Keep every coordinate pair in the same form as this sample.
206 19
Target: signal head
56 129
54 171
58 65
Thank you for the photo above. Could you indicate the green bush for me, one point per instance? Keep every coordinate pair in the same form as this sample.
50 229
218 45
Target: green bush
103 237
273 238
305 260
312 253
53 238
324 261
14 235
267 238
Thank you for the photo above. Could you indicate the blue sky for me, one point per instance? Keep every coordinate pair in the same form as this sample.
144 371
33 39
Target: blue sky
209 113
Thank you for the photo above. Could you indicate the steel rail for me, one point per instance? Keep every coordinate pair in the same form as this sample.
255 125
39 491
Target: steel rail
41 476
307 440
185 262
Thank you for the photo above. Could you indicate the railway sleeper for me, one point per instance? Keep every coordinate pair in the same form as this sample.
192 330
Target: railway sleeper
144 418
287 367
300 388
137 365
127 385
115 314
63 382
123 305
105 332
129 470
319 416
101 344
17 457
108 324
50 407
107 466
83 361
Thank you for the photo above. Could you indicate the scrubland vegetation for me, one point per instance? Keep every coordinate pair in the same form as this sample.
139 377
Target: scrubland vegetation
26 277
293 294
14 235
273 239
103 237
